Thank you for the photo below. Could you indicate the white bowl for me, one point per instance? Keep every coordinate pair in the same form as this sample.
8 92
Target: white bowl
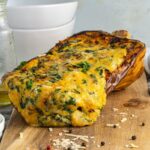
30 43
40 14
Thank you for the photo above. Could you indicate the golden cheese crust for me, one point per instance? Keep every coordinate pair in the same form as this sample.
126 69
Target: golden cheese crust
68 85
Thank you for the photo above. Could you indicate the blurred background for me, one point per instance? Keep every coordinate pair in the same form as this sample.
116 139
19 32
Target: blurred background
22 43
109 15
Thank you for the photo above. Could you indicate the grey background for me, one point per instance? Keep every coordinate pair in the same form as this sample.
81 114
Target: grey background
109 15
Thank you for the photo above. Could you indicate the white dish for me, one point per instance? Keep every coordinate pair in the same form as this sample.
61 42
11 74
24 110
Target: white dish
2 124
40 14
147 61
30 43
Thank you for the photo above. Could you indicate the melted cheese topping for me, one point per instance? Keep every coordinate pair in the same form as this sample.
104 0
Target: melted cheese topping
66 87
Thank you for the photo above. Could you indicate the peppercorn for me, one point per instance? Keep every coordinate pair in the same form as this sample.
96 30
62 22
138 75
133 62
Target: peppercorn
70 131
114 126
133 137
102 143
143 124
83 144
48 147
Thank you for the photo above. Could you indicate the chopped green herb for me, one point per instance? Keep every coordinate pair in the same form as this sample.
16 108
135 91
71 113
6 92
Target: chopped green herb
123 46
39 90
84 81
76 91
89 51
29 84
71 101
33 69
21 65
100 71
22 105
29 100
57 90
94 78
60 118
84 65
55 77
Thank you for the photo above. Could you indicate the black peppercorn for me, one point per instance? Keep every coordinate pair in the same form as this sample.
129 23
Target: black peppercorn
70 131
143 124
102 143
83 144
133 137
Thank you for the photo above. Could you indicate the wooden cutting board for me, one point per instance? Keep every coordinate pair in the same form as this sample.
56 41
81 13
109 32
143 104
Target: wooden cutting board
134 101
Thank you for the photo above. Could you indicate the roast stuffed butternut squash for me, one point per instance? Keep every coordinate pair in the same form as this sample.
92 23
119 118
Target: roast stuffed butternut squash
68 85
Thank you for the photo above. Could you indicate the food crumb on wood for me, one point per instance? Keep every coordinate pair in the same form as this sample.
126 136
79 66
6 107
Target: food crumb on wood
21 135
65 131
98 145
133 116
81 137
123 120
67 144
131 145
112 125
60 134
50 129
123 113
115 109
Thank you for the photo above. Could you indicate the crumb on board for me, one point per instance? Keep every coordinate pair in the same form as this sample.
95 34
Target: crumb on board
123 113
81 137
112 125
131 145
115 109
123 120
50 129
21 135
67 144
60 134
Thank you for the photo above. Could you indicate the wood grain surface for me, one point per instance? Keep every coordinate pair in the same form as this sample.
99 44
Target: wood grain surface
134 101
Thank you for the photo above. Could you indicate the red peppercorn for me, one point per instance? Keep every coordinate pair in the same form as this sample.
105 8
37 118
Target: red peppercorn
48 147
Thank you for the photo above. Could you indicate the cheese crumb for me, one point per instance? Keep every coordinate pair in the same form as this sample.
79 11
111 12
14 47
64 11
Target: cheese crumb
66 131
98 145
21 135
60 134
112 125
123 120
131 145
67 144
81 137
115 109
50 129
123 113
133 116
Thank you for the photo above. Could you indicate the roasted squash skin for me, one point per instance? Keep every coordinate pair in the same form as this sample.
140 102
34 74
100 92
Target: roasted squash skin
68 85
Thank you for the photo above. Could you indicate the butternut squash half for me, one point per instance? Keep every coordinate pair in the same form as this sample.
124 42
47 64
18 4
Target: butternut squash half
68 85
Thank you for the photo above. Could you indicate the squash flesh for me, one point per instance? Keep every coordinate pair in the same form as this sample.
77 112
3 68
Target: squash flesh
68 85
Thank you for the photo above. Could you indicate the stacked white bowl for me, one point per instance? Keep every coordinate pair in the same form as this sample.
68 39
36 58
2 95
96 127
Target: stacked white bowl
38 25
